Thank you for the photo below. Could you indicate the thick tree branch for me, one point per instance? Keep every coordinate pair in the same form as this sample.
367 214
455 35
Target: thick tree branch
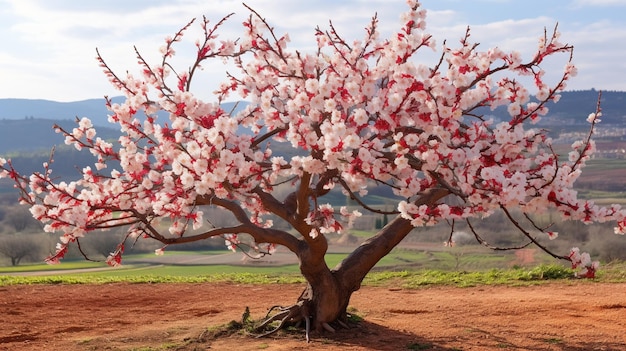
260 235
353 268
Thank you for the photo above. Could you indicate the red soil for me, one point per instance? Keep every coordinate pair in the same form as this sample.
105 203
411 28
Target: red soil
565 316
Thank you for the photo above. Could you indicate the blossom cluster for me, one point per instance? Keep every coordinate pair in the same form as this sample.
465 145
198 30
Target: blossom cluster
583 261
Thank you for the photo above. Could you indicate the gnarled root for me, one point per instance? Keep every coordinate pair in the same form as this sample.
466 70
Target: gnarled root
291 314
327 327
295 315
343 324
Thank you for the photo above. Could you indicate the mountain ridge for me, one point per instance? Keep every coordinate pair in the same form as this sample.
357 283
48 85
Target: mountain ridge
27 124
573 103
28 139
94 109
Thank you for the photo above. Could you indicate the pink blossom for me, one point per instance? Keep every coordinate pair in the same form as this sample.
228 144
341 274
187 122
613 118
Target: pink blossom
593 117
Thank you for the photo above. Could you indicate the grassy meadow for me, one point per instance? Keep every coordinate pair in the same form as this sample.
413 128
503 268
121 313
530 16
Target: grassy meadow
404 268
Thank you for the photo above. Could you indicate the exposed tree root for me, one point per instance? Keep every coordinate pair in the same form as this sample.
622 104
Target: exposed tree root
343 324
328 327
291 314
294 315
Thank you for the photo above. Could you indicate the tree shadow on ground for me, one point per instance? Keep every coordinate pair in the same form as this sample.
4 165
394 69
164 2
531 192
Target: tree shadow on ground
368 335
371 336
479 338
374 336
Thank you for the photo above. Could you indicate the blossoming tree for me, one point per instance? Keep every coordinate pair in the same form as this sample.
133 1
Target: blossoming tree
357 113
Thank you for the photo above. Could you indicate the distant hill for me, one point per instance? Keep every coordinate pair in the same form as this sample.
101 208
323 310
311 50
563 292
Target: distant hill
26 125
575 106
29 142
94 109
27 135
34 134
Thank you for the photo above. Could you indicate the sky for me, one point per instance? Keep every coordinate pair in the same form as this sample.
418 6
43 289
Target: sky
49 46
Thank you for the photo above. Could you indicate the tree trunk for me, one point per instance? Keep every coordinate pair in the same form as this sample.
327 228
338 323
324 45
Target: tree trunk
327 295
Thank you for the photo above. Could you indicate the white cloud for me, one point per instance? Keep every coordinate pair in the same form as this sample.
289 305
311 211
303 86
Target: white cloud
600 3
49 45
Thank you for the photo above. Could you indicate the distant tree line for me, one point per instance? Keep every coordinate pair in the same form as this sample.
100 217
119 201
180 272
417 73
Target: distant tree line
22 239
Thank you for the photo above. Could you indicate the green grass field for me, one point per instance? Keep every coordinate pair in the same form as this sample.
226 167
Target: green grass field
470 258
612 273
403 268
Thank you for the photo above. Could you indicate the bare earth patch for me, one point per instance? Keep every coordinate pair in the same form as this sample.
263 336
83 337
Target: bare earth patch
564 316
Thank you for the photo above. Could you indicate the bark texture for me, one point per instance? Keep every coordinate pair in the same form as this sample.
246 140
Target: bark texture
324 302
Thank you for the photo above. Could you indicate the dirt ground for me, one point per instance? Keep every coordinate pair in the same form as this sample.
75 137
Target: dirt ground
565 316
